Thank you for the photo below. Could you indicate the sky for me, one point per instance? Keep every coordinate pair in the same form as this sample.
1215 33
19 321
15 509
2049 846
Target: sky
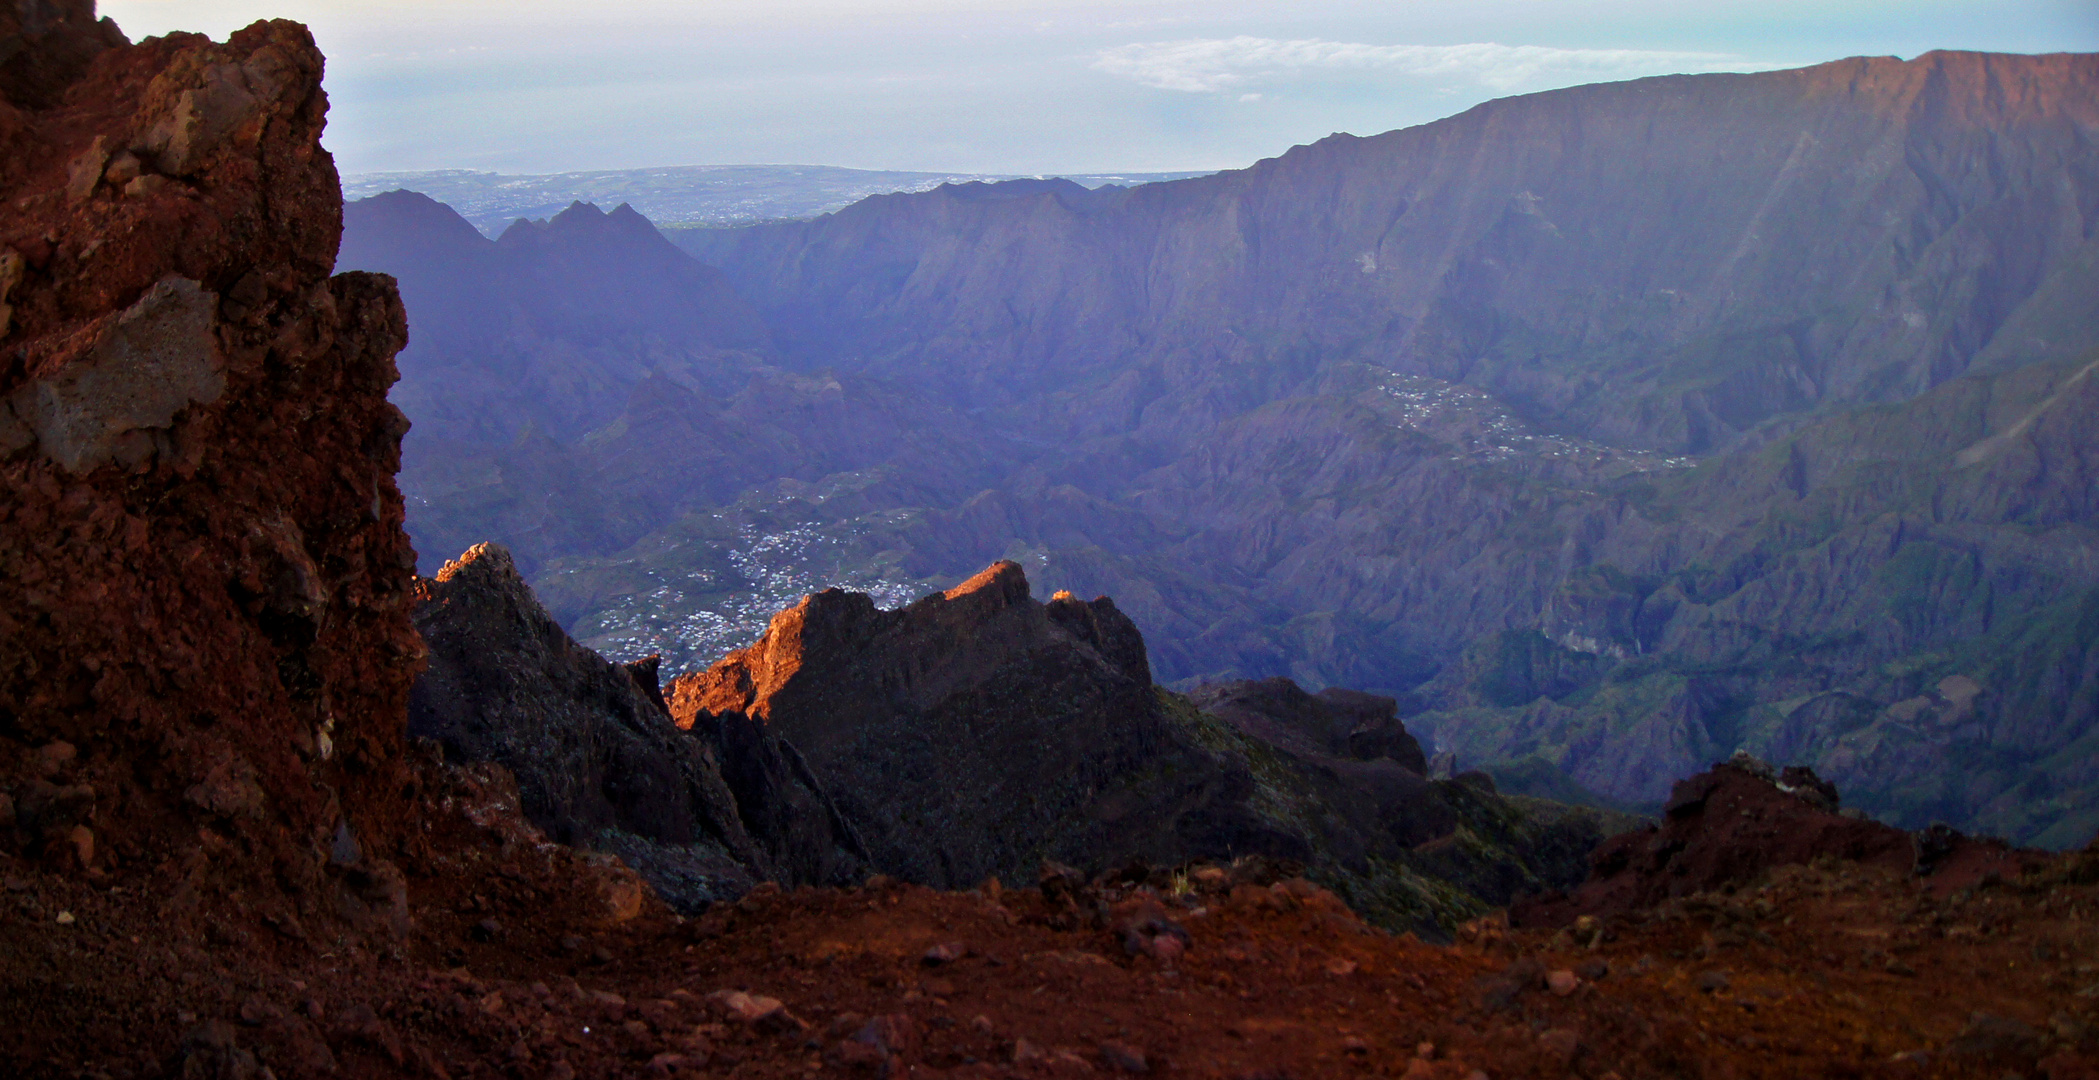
1010 86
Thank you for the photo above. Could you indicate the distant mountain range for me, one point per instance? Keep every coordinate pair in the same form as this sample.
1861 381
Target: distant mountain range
702 196
1609 429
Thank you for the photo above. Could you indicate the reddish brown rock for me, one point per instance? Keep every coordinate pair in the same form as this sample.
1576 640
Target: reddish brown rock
1735 823
203 575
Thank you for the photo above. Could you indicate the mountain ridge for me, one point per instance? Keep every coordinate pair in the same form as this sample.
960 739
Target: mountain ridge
1612 366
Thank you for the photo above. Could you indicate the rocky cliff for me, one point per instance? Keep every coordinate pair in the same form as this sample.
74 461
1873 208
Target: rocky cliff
703 815
978 732
204 585
1663 263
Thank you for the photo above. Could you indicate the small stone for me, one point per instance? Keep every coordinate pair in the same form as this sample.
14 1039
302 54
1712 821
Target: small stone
1027 1053
1562 983
65 918
255 1012
755 1009
1066 1061
1425 1050
84 171
1559 1044
1417 1069
980 1022
570 943
123 168
855 1055
1712 982
146 185
1338 967
1355 1045
486 930
666 1064
1125 1057
54 756
946 952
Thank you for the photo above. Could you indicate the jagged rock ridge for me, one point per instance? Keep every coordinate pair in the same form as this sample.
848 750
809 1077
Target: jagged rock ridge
597 760
977 732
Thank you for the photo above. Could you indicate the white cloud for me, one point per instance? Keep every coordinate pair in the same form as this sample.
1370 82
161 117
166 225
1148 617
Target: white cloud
1213 65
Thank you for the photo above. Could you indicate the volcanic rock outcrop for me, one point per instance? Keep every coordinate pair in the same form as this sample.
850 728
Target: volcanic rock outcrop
703 814
978 732
1336 722
205 651
1735 823
972 734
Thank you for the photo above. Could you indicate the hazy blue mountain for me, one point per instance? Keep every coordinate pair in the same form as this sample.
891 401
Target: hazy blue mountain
1612 428
707 196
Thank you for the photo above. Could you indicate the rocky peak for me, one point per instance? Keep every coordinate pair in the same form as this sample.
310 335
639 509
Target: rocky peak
703 814
552 325
922 715
404 219
1742 818
837 643
204 582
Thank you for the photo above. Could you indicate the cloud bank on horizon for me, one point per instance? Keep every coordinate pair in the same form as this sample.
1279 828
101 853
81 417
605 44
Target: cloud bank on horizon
1017 86
1212 65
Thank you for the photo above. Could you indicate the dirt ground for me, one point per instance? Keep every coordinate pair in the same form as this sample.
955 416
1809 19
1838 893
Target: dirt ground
529 960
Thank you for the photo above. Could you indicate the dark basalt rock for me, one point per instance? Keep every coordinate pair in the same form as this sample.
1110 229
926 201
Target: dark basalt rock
703 815
977 732
973 732
1335 722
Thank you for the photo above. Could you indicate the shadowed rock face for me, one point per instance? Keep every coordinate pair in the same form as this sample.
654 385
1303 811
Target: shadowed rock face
204 582
978 731
702 814
967 735
1336 722
1735 823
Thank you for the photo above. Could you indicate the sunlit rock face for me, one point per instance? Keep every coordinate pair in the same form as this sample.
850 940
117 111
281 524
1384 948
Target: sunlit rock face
702 814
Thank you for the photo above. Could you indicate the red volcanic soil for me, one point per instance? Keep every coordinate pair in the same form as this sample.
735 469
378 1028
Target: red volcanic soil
527 960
